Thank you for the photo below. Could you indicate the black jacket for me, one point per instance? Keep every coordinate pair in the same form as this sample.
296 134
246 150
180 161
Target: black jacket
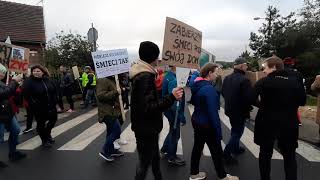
6 112
280 96
237 93
41 93
146 107
66 80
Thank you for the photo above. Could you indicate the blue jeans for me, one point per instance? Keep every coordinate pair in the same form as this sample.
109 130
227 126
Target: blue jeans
171 142
1 133
237 128
90 97
113 133
13 128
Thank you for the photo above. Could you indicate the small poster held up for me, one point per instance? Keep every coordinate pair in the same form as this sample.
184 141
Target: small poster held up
182 45
182 76
75 71
112 62
15 57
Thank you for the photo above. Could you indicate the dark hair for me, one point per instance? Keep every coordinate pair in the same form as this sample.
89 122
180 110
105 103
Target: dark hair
43 69
207 68
274 61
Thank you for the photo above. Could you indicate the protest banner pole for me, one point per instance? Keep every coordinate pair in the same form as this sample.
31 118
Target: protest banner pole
120 97
8 77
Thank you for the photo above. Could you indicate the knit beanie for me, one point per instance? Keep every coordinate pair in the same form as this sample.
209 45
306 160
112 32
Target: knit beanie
148 51
3 69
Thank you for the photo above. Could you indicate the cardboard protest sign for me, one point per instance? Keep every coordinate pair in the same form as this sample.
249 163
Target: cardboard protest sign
182 76
15 57
182 45
112 62
75 71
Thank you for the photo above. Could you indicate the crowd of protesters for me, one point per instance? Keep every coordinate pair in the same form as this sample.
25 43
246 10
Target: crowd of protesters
154 95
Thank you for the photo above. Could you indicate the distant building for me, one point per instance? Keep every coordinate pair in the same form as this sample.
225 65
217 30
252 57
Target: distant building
25 26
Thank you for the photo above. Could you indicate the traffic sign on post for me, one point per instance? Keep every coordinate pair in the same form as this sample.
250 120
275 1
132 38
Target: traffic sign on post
92 35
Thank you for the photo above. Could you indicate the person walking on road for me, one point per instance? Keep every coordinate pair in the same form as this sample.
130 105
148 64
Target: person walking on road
90 87
65 89
279 96
41 93
206 123
147 108
236 90
169 148
316 88
7 117
109 113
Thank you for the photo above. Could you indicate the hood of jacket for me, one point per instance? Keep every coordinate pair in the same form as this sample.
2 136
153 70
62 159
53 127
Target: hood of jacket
199 83
140 67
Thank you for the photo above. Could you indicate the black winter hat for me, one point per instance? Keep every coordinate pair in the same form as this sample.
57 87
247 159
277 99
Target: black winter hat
148 51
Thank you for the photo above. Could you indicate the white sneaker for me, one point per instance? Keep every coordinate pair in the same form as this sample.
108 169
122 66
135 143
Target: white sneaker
116 145
122 142
229 177
199 176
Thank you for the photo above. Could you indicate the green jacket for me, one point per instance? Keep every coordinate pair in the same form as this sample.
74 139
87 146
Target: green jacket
108 100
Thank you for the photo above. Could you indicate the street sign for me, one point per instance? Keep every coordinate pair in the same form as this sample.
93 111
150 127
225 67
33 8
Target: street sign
92 35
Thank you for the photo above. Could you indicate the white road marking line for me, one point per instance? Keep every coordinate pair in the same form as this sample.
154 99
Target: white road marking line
308 152
81 141
35 142
129 136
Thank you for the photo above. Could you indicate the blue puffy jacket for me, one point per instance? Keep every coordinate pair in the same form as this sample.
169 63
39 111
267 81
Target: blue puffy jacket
206 104
168 84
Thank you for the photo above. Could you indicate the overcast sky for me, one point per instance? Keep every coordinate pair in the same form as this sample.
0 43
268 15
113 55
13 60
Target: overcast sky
225 24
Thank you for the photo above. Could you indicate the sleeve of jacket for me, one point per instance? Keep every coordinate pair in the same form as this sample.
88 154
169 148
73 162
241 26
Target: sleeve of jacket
104 93
165 84
70 80
151 102
9 90
247 93
90 77
212 109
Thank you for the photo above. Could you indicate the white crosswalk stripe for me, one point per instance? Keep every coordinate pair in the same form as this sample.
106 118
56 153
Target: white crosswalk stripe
84 139
60 116
247 138
35 142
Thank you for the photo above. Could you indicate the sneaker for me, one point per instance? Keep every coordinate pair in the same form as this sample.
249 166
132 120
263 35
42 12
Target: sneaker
116 145
70 111
17 156
199 176
122 142
229 177
46 145
117 153
105 157
177 162
163 154
51 140
3 165
300 124
27 130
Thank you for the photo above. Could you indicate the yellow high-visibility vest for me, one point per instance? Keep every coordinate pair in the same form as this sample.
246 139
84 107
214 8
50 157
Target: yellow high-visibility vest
84 79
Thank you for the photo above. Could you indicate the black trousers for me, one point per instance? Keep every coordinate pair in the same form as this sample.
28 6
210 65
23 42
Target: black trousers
289 157
45 123
29 117
201 136
68 93
148 151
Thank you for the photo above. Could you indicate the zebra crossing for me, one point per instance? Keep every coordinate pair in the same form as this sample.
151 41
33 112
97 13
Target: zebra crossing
95 130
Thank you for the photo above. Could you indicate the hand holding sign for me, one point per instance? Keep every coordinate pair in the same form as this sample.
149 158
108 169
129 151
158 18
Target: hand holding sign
177 93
